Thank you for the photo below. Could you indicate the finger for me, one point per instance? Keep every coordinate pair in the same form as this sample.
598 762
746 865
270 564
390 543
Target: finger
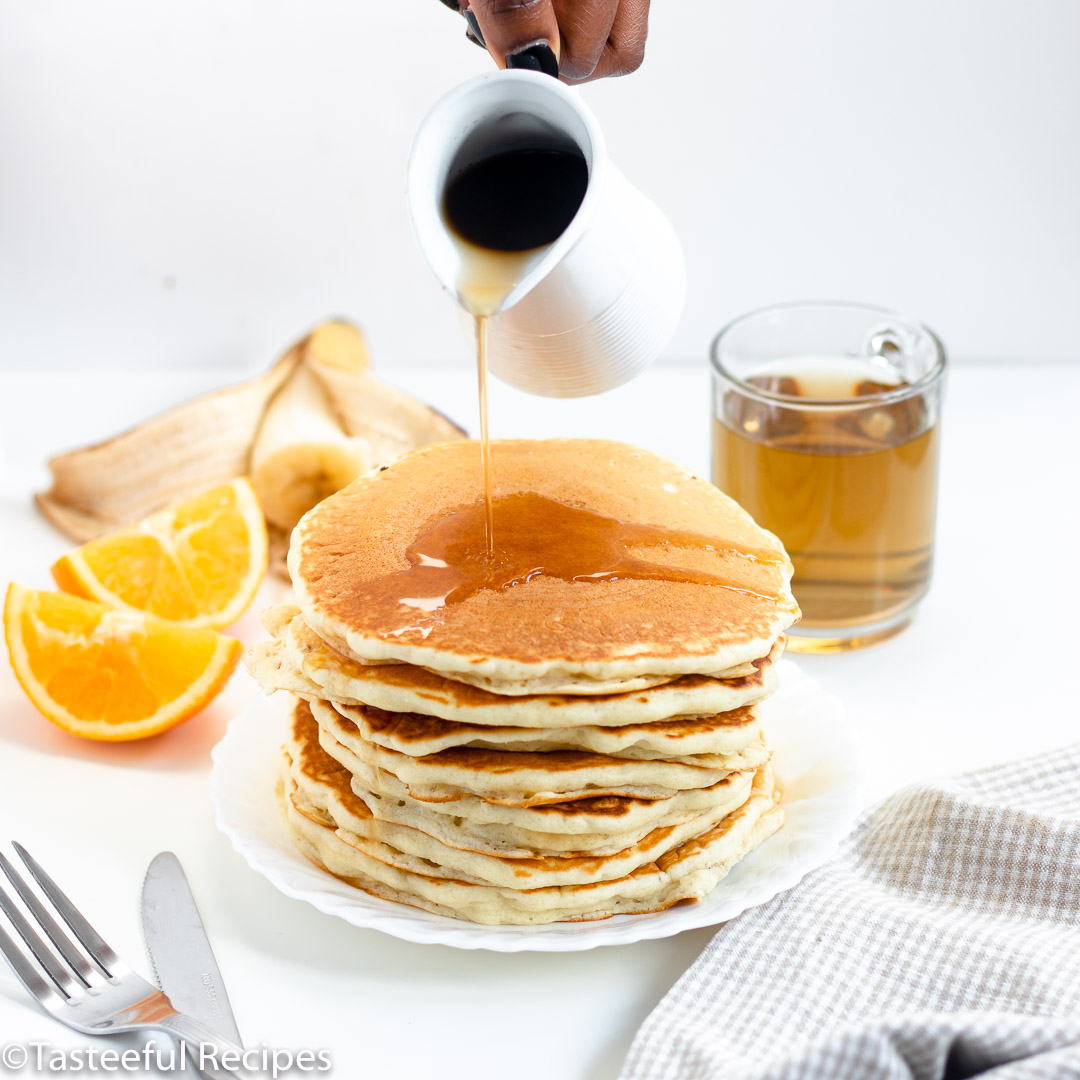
520 33
584 28
625 48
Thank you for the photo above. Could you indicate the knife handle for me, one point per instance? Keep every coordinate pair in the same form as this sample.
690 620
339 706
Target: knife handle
200 1039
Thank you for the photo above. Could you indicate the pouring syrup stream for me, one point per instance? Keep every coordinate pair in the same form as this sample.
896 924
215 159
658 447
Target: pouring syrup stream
503 212
485 441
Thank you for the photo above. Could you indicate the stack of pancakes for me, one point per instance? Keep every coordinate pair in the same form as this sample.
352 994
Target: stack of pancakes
530 743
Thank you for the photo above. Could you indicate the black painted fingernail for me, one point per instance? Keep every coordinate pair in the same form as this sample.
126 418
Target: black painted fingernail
469 37
474 26
539 57
453 5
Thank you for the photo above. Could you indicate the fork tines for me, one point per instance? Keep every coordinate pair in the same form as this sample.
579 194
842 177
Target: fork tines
88 969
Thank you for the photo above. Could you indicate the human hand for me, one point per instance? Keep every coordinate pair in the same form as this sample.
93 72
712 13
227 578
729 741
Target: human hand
576 40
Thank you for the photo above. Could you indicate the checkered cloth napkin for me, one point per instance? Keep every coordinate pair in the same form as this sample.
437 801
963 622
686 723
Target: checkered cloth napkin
942 942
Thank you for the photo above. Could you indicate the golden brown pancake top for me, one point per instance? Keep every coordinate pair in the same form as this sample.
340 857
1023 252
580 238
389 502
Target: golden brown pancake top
693 576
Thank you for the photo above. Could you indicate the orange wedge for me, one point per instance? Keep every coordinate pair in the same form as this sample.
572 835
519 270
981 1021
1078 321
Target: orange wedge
199 562
112 675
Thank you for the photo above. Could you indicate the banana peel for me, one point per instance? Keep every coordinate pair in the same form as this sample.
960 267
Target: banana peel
311 424
170 457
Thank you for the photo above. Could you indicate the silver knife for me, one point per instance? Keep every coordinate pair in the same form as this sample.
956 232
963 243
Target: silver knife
179 949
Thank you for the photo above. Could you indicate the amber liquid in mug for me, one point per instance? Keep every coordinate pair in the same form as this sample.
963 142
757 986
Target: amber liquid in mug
851 494
502 212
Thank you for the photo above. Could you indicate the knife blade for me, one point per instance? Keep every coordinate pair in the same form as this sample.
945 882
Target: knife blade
179 949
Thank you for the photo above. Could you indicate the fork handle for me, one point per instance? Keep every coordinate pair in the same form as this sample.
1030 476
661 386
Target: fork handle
200 1038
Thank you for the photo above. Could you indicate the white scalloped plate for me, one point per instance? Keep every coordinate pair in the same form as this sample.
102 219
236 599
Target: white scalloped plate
816 765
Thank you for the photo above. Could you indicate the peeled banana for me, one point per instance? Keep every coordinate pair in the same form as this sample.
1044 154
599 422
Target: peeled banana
301 454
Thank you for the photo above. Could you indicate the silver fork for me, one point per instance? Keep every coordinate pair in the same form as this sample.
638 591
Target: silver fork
92 990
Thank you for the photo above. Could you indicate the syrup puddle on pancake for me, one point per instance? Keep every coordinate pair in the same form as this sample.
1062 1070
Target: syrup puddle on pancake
539 537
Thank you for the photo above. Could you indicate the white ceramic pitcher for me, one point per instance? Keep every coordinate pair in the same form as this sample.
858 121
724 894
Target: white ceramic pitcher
599 304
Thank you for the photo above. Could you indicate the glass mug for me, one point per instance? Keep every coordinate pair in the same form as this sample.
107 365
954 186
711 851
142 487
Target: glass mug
825 428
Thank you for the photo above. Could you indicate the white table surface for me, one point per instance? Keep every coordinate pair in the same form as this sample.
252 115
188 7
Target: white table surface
976 679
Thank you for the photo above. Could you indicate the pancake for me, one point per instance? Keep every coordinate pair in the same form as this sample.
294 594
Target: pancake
518 841
607 816
729 741
616 565
601 824
321 662
298 660
686 872
511 778
320 789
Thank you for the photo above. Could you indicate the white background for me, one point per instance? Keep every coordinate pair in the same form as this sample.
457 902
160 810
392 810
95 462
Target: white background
198 182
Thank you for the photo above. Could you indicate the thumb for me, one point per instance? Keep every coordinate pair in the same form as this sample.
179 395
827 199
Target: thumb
519 33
